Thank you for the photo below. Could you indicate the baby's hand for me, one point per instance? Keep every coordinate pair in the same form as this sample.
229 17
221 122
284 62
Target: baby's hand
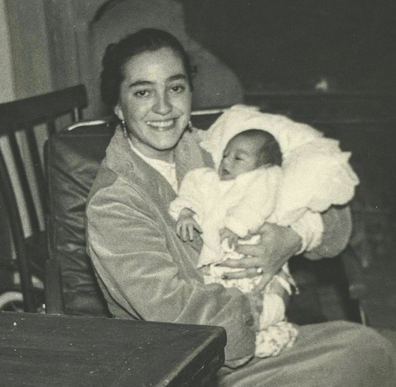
186 224
226 233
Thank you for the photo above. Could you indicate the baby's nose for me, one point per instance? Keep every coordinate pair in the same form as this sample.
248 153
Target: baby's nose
226 161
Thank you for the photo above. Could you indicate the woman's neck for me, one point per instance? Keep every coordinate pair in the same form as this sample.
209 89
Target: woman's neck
167 156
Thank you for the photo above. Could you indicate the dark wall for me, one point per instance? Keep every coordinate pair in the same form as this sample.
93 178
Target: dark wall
286 44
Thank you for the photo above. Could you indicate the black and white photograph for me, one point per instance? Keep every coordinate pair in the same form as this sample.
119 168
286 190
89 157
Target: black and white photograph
197 193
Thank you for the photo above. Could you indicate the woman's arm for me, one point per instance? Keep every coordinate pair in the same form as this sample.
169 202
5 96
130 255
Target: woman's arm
149 275
337 232
278 244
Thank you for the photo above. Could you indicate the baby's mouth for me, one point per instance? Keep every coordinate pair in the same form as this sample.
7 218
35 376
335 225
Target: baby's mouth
224 173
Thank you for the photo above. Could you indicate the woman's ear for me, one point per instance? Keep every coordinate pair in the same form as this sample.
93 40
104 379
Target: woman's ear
118 112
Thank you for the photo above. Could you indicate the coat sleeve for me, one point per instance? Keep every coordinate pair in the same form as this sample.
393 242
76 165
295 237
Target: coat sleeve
337 223
137 264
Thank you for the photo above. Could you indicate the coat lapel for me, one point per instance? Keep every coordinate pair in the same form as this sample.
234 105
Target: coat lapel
128 165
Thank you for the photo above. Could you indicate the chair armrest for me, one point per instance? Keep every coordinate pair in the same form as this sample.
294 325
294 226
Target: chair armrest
54 303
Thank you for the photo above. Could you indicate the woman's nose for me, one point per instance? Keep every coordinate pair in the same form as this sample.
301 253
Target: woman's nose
162 104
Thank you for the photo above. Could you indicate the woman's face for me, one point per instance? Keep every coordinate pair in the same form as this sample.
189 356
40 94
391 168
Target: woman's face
155 101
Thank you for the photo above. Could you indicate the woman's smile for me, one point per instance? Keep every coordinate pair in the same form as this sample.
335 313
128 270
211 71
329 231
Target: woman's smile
162 125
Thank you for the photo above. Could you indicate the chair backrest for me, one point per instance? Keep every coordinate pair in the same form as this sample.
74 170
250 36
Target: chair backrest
73 158
346 109
24 126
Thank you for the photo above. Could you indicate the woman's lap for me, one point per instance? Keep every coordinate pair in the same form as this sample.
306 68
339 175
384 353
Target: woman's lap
331 354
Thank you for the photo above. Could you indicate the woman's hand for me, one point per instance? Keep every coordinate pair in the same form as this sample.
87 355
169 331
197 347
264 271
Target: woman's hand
277 244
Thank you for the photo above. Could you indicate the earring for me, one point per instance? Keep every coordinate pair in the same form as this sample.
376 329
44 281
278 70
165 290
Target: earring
124 128
190 126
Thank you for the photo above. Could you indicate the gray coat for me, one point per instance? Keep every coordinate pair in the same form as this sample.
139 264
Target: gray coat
145 271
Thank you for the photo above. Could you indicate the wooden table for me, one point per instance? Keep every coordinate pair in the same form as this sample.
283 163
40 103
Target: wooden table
48 350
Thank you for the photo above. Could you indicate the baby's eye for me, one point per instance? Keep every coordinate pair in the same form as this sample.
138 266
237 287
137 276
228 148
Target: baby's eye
238 158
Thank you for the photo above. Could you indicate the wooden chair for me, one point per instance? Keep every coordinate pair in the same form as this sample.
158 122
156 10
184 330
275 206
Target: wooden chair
24 126
73 157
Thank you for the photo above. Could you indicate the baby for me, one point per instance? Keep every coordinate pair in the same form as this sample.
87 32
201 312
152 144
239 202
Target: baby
282 172
228 207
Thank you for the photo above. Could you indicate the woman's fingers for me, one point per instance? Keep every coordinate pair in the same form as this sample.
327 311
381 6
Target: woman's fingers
277 244
248 273
242 263
247 249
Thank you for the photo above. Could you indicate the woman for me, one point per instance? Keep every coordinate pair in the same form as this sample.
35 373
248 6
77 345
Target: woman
146 272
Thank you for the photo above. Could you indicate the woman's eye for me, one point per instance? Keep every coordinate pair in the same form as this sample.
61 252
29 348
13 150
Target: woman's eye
141 93
177 89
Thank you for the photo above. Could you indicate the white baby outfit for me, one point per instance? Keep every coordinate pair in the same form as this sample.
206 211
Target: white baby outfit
242 205
315 174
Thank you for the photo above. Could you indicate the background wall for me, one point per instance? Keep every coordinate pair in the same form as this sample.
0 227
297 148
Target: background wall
270 45
289 44
6 74
214 83
28 42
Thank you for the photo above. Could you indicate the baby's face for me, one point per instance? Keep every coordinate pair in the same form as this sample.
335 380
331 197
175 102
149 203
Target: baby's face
240 156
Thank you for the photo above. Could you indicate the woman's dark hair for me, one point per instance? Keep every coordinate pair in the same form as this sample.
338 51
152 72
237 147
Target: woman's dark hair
117 54
269 152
